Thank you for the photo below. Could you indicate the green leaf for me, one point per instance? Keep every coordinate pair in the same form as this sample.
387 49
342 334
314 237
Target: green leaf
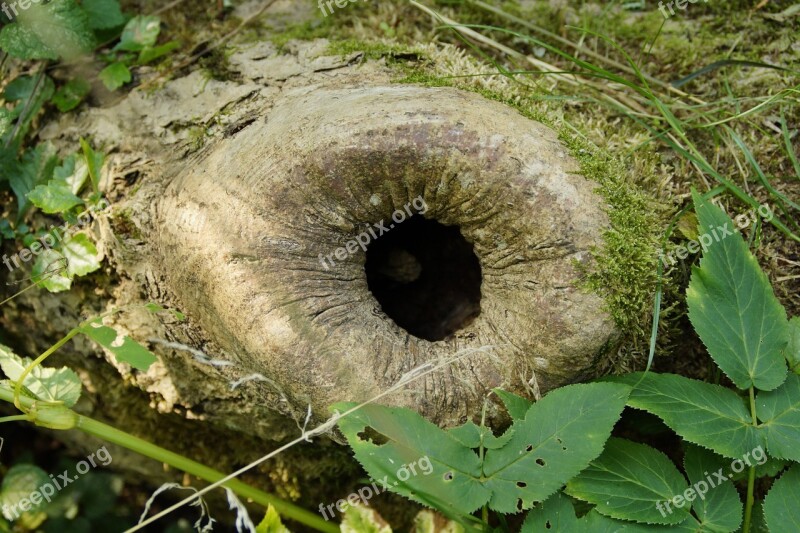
779 413
103 14
48 384
115 76
6 121
150 54
55 197
73 171
94 160
780 505
717 505
71 94
125 349
48 31
139 33
557 514
81 255
360 519
733 308
32 92
517 406
471 435
428 521
399 437
271 523
632 481
35 168
49 271
19 482
792 351
559 436
708 415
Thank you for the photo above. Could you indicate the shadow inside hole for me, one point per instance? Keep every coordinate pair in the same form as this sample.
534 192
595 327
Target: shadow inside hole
426 277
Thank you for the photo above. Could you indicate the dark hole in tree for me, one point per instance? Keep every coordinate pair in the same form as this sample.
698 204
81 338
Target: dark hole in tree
426 277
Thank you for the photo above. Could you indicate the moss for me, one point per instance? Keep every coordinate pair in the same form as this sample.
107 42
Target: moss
392 52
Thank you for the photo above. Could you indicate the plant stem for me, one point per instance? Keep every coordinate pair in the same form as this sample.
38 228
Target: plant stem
751 474
14 418
116 436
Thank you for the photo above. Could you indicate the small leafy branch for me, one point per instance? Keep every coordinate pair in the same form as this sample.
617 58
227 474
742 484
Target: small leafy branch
558 449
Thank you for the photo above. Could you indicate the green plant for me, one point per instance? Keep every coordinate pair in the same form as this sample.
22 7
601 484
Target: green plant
563 439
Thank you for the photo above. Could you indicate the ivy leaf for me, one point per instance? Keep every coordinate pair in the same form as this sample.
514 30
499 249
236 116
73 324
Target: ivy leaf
81 255
717 506
708 415
792 351
559 436
103 14
517 406
18 484
49 271
125 349
779 413
48 384
271 523
71 94
55 197
48 31
115 76
140 32
400 436
632 481
35 168
733 308
780 505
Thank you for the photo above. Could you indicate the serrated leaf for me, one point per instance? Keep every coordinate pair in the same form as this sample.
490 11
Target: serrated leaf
517 406
103 14
708 415
55 197
49 271
48 31
360 519
557 514
139 33
717 506
71 94
733 308
632 481
125 349
271 523
473 436
19 482
81 254
779 413
48 384
35 168
792 352
115 76
780 505
559 436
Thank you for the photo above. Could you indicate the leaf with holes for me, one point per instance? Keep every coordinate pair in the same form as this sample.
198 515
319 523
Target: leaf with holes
632 481
718 507
780 505
448 473
125 349
733 308
557 514
779 413
473 436
559 436
709 415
